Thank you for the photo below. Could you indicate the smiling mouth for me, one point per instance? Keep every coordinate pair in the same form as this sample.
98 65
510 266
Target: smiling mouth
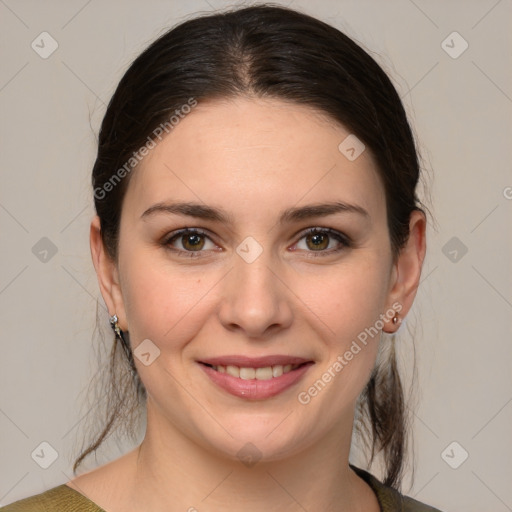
262 373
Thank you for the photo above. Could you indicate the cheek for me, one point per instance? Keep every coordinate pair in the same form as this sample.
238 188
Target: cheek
163 304
347 302
348 297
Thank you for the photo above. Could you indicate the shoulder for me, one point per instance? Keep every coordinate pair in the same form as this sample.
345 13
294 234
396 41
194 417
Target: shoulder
106 484
411 505
390 500
58 499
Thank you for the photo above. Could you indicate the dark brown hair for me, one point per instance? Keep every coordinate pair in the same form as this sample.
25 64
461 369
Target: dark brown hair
274 52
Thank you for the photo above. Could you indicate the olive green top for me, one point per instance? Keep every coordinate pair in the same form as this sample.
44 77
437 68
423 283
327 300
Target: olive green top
66 499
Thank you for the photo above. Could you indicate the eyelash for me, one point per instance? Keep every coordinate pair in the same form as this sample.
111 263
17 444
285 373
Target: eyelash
343 239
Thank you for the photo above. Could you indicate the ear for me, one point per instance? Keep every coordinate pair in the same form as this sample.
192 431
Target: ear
108 275
406 272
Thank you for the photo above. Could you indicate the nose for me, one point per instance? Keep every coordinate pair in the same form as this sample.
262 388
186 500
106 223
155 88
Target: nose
256 299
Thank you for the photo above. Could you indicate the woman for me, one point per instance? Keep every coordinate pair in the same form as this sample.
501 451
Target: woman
257 231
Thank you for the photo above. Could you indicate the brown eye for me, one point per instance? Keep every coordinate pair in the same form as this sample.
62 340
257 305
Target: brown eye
323 241
317 241
192 242
189 242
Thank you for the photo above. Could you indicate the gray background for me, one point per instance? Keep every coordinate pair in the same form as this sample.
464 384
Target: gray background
461 111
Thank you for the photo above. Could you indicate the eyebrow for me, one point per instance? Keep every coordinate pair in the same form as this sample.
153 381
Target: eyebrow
289 215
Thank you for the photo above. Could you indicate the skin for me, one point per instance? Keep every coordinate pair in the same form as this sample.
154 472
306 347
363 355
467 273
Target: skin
253 158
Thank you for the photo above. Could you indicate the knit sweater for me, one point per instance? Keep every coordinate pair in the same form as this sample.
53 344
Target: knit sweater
65 499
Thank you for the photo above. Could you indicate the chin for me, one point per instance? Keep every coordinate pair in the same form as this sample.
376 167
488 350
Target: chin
256 441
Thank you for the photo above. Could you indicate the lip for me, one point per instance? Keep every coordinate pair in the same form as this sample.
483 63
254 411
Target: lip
254 362
254 389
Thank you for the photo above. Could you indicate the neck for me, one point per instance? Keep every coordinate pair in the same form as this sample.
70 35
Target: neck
170 467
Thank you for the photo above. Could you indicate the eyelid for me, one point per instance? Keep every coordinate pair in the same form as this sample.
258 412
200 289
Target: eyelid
330 231
174 234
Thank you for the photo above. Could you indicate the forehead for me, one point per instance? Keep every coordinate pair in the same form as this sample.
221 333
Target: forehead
247 153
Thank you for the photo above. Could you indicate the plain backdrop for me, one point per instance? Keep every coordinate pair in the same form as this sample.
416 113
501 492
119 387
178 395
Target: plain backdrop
460 103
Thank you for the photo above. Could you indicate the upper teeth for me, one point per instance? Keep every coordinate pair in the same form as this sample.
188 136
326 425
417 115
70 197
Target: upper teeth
265 373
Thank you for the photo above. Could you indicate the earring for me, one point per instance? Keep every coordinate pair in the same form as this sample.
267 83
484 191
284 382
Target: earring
115 326
125 344
396 319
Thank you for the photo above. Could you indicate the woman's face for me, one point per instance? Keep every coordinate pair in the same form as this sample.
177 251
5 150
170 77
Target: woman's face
253 283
